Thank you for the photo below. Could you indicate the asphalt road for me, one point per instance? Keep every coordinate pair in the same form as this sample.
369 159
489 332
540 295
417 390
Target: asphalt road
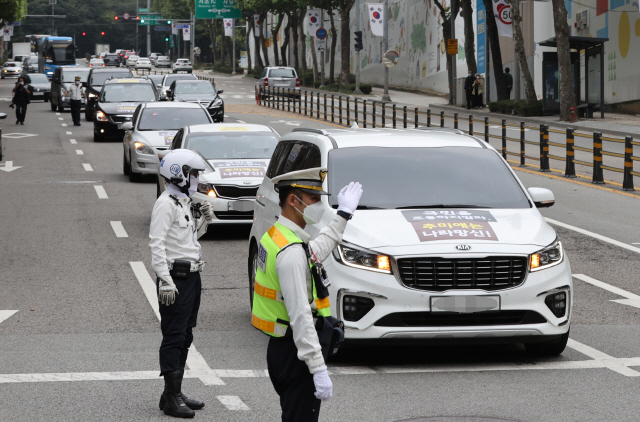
83 343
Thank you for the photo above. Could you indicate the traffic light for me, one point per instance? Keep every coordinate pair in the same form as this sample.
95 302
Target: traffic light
138 18
116 17
141 20
102 33
358 45
84 33
166 38
167 21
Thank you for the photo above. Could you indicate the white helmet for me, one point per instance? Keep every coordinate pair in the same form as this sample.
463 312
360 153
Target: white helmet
177 165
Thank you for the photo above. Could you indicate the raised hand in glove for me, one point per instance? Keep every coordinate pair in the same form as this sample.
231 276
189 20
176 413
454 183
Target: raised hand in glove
207 211
349 197
324 386
166 290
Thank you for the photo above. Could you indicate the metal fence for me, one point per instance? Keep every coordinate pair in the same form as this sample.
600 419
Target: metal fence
345 110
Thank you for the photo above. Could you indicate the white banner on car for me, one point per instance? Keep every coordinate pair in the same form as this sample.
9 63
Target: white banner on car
228 27
376 18
502 13
313 21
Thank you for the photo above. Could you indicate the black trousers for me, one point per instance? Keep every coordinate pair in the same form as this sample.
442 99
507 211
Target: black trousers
21 112
177 322
469 98
75 114
292 381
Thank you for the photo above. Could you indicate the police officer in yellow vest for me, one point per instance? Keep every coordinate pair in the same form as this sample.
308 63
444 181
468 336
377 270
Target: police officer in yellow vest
290 290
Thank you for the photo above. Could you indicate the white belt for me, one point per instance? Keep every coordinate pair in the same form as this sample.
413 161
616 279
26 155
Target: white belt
196 267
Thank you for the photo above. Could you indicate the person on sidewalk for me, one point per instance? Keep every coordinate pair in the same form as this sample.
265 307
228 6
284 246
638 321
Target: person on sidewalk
478 92
508 80
468 89
176 258
20 99
290 299
76 93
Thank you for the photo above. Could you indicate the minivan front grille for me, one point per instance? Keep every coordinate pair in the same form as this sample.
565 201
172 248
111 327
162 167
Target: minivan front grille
440 274
229 191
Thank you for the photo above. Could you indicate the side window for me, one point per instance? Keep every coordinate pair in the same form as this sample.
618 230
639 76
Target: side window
264 73
136 114
177 140
303 155
279 154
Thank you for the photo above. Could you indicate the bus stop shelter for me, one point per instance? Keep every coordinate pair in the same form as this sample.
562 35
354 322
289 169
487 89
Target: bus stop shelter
593 70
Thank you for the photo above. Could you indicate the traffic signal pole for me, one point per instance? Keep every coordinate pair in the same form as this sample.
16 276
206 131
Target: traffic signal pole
357 58
148 32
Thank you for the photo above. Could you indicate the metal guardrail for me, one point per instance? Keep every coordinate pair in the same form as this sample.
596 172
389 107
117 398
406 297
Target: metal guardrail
302 102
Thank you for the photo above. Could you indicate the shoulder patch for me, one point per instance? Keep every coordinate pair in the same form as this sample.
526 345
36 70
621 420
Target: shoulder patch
262 258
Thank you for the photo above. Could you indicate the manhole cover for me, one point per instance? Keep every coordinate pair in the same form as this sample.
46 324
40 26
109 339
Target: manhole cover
457 419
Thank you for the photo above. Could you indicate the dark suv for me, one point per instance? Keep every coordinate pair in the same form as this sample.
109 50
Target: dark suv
95 80
111 59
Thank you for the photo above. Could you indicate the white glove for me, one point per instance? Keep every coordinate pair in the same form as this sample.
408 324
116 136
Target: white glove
324 386
63 99
349 197
167 290
207 211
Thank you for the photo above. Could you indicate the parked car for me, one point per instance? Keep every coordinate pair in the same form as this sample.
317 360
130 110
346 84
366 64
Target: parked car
278 77
163 61
62 79
95 81
182 65
11 69
96 63
143 63
201 92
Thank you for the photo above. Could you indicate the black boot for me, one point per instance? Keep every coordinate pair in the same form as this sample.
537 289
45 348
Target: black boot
174 405
192 404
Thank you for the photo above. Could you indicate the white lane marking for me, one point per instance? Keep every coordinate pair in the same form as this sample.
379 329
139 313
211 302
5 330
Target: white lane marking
60 118
69 133
226 116
118 229
241 121
609 361
102 194
8 166
57 114
79 152
631 298
594 235
195 361
87 167
635 243
64 125
232 403
73 141
4 315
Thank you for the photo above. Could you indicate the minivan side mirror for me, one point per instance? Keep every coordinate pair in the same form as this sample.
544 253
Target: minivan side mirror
220 91
542 198
126 126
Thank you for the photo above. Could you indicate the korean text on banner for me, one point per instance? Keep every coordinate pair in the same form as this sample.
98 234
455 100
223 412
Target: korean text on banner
376 18
313 21
256 26
502 13
228 27
480 30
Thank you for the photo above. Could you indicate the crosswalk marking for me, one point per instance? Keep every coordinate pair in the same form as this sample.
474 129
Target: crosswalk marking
118 229
87 167
73 141
102 194
79 152
232 403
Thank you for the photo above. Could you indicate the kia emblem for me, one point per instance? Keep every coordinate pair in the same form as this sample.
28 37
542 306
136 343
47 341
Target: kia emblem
463 247
246 183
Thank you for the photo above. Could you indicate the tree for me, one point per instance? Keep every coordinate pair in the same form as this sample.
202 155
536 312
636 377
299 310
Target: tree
10 11
469 36
446 16
334 41
567 96
496 55
518 39
275 31
344 6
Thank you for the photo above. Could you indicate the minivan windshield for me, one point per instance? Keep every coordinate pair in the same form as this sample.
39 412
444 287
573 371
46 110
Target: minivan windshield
220 146
69 75
448 177
171 118
122 93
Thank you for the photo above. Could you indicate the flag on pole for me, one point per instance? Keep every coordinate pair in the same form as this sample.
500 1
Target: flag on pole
186 33
313 21
256 26
228 27
376 18
502 13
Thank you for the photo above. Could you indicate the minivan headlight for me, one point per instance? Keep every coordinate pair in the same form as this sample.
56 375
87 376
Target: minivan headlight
142 148
353 256
548 257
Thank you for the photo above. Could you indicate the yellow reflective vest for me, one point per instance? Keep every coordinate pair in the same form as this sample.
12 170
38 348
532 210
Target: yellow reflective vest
269 313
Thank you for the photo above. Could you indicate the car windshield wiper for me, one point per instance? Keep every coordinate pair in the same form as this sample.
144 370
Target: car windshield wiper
441 206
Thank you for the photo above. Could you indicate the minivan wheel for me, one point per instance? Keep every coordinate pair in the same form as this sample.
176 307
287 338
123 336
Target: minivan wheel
552 348
253 268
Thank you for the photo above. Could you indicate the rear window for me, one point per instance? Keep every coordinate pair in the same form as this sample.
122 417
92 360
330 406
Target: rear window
232 145
282 73
171 118
100 77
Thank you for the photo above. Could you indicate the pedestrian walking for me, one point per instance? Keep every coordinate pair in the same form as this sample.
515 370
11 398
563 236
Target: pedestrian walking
76 94
478 92
508 80
176 258
21 93
468 89
291 297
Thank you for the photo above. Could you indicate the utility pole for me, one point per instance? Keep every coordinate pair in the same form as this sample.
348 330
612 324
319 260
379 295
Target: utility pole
356 62
454 73
137 47
323 51
385 36
53 2
487 62
148 32
233 51
192 37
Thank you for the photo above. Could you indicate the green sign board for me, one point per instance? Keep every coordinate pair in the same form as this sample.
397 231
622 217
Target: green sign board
143 10
217 9
171 42
151 20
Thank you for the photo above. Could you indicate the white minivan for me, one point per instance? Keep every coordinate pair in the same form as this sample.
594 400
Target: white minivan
447 245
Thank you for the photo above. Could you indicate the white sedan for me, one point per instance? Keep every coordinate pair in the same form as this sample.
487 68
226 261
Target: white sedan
446 245
131 61
152 131
143 63
98 62
182 65
239 155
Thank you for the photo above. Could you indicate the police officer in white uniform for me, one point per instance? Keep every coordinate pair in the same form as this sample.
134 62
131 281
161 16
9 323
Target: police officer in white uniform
75 93
176 257
295 358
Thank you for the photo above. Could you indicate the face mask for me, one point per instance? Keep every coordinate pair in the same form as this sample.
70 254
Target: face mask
193 185
21 83
77 83
312 213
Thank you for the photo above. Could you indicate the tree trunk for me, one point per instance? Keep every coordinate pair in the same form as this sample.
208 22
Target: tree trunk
469 36
314 59
223 45
567 96
516 20
256 49
334 41
492 32
303 40
263 46
247 41
345 43
446 34
274 36
285 44
213 40
296 39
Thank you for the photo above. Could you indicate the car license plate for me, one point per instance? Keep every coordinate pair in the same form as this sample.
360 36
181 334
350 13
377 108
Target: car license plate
465 304
241 206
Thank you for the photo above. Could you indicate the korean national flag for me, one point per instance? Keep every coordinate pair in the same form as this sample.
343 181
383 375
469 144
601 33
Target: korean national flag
313 21
228 27
376 18
256 26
